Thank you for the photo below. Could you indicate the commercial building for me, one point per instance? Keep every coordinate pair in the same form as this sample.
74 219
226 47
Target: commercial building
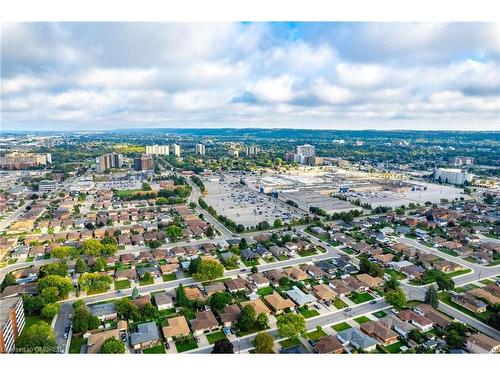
109 161
176 149
46 186
200 149
22 160
252 150
144 163
11 322
452 176
157 150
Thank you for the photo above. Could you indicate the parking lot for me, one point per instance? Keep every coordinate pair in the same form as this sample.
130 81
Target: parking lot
245 206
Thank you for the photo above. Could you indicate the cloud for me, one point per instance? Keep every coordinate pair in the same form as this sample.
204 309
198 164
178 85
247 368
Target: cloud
235 74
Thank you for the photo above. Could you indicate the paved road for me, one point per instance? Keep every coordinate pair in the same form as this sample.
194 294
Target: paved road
62 321
13 216
245 343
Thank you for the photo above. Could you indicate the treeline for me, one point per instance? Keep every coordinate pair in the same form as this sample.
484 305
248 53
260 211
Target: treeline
198 182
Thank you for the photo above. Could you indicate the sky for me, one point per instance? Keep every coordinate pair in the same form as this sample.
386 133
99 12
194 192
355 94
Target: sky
96 76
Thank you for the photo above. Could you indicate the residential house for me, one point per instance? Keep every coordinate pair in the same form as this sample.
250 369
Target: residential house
230 315
177 327
215 287
421 322
470 302
236 285
324 293
163 301
205 321
400 326
258 305
379 331
299 297
193 293
103 311
438 318
357 339
278 303
145 336
369 280
328 345
295 274
480 343
95 340
259 280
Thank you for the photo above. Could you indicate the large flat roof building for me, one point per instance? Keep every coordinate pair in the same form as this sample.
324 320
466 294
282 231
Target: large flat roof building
12 322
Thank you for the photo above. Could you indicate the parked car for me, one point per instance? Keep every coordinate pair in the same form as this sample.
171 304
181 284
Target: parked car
373 302
394 311
348 309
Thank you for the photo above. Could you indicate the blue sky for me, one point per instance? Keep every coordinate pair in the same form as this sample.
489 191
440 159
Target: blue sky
76 76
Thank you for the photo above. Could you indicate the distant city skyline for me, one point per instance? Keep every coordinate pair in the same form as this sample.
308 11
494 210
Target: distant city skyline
383 76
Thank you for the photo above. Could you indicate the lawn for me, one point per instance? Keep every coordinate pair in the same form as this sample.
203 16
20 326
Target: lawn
282 257
362 319
288 343
486 281
458 273
308 313
250 263
360 297
169 277
215 336
307 253
341 326
30 320
265 291
76 344
394 348
339 304
447 251
316 334
160 349
185 345
122 284
143 282
396 274
380 314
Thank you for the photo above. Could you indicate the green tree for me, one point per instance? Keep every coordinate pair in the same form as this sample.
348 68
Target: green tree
126 310
148 311
100 264
181 297
59 268
278 223
80 266
33 305
391 284
61 252
219 300
39 338
92 247
364 265
431 297
223 346
112 346
263 343
63 285
444 282
396 298
262 321
247 318
8 280
210 232
173 232
208 270
94 282
50 310
50 294
291 325
81 318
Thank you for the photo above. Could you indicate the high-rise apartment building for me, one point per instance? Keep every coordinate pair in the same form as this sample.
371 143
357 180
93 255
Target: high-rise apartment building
452 176
157 150
200 149
461 160
12 322
252 150
144 163
109 161
23 160
304 152
176 149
